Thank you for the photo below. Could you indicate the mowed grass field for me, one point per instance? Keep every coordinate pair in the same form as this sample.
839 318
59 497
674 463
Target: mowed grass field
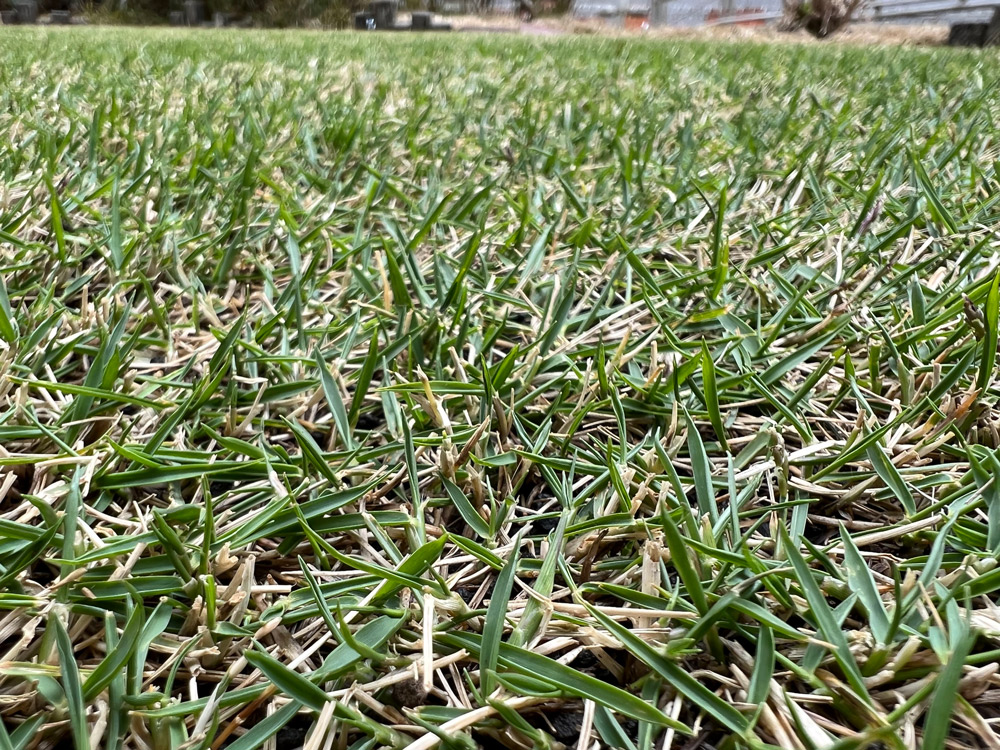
364 391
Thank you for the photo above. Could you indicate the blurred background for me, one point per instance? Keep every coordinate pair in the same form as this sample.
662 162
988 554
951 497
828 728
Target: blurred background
958 22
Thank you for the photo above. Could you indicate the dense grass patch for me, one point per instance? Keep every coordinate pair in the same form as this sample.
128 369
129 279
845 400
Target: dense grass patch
459 391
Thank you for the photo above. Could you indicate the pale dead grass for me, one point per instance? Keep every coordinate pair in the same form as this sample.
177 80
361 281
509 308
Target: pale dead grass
856 34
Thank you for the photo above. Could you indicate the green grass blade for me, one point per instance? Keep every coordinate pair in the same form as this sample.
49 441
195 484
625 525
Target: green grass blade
938 720
684 683
71 684
819 610
991 324
289 682
493 627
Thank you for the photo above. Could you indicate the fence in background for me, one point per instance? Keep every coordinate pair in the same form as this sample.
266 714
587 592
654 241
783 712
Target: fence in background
699 12
674 12
939 11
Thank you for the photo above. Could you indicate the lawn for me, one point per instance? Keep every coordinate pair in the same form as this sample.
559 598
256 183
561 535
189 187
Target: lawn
467 391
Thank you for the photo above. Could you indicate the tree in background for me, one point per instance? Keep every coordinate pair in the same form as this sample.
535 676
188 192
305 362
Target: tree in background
819 17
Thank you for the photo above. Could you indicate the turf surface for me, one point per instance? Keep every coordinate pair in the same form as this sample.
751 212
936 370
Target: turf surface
455 391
